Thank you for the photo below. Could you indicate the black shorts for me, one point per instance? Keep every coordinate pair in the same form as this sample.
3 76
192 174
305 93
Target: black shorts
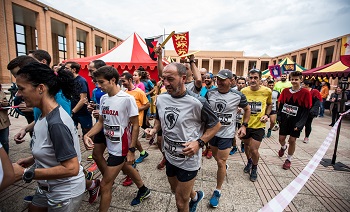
273 112
100 138
256 134
160 132
288 129
221 143
181 174
115 160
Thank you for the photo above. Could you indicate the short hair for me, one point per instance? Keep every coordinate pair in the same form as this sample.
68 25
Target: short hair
308 83
20 62
37 73
241 78
98 63
40 55
296 74
181 68
270 82
107 72
74 65
253 71
234 76
127 75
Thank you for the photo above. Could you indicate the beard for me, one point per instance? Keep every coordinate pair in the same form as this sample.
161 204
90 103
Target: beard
283 79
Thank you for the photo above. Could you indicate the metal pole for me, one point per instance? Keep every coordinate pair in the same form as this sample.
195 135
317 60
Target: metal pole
342 103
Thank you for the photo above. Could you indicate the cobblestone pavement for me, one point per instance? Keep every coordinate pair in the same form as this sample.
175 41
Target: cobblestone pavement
326 190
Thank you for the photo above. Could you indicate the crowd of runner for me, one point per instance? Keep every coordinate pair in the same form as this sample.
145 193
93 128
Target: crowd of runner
189 114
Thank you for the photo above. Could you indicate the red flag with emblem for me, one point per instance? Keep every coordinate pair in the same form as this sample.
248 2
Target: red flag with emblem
181 43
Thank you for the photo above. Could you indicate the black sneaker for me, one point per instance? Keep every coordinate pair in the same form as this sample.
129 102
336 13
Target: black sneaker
247 168
254 175
140 197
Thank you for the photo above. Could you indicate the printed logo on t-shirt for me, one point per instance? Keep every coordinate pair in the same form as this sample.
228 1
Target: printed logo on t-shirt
255 107
290 110
220 105
170 116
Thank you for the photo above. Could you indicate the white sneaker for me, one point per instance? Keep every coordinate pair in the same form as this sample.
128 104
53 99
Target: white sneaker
306 140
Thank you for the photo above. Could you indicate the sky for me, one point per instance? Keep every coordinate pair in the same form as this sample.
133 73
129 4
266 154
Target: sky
257 27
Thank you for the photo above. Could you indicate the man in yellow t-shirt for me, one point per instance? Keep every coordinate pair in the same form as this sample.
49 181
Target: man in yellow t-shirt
279 86
260 101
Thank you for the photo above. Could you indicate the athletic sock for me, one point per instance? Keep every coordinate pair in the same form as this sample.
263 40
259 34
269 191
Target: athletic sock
289 157
143 188
255 166
250 160
143 152
195 197
93 184
284 147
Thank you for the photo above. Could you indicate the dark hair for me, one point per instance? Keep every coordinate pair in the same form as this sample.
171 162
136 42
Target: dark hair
74 65
308 83
98 63
37 73
127 75
241 78
253 71
107 72
270 82
20 62
296 74
40 55
234 76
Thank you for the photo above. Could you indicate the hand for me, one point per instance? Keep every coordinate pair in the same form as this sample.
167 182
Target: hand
26 162
91 106
89 144
150 132
130 157
23 107
4 103
19 137
241 132
191 57
191 148
19 171
158 50
95 113
264 118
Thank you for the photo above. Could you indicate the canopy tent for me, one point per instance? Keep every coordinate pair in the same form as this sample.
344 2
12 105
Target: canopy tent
129 55
335 69
285 61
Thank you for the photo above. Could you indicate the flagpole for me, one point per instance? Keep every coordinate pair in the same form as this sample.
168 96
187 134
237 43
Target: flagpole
164 45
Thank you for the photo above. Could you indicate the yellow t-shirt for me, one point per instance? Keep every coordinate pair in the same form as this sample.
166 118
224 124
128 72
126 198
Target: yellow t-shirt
140 98
257 101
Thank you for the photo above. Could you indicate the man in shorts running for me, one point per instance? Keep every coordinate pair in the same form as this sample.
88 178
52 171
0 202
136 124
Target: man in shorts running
119 119
188 123
259 99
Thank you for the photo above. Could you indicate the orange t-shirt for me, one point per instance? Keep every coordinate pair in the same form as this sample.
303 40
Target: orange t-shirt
141 99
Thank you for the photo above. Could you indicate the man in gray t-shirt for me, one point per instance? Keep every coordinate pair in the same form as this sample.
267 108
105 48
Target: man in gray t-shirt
187 122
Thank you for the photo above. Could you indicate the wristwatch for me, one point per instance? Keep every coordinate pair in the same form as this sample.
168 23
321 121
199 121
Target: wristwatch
132 149
245 124
28 174
201 142
268 115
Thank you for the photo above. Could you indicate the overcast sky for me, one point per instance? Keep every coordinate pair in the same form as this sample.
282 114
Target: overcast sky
256 27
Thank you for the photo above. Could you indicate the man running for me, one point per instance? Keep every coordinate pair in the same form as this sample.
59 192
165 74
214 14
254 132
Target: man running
225 102
293 110
273 114
187 122
119 119
259 99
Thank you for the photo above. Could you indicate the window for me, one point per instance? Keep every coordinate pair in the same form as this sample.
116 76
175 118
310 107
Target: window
20 39
62 48
80 49
98 50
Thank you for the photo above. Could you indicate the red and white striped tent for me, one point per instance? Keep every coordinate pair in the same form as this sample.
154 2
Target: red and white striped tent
129 55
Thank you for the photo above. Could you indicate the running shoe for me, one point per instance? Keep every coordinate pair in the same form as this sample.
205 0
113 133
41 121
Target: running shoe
214 200
209 154
286 164
127 181
247 168
193 204
89 158
28 199
161 165
233 150
89 175
268 133
306 140
94 192
140 197
93 167
254 175
141 158
281 152
242 147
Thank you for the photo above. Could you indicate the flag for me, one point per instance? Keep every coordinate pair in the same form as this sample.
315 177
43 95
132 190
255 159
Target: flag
181 43
288 68
275 71
345 50
152 43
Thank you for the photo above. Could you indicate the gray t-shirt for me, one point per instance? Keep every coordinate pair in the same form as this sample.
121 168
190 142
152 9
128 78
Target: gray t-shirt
225 106
55 139
183 119
192 87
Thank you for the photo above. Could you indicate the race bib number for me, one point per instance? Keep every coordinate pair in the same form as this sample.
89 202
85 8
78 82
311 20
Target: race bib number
112 133
225 119
173 148
274 106
255 107
290 110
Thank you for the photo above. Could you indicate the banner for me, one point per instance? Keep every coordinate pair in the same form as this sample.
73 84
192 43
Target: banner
152 43
275 71
345 51
181 43
288 68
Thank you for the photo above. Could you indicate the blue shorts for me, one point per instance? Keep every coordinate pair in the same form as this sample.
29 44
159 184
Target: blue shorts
221 143
84 120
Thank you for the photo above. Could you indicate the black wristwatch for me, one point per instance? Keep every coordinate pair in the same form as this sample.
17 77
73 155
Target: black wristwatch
132 149
245 124
201 142
29 174
268 115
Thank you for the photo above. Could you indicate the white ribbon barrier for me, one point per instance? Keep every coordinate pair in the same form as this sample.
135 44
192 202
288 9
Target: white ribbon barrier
282 200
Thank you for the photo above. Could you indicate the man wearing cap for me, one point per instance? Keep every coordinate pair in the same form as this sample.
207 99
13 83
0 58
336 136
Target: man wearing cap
260 101
225 101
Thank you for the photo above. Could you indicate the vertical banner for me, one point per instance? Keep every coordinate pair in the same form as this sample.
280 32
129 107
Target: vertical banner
181 43
275 71
152 43
288 68
345 51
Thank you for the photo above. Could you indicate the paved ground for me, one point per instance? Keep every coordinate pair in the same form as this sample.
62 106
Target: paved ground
327 190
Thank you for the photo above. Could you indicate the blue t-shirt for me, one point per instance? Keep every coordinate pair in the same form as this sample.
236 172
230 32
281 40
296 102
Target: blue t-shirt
148 87
97 93
61 100
82 88
204 90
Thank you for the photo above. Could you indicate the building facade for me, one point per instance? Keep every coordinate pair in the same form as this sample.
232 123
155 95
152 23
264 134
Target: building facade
28 24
